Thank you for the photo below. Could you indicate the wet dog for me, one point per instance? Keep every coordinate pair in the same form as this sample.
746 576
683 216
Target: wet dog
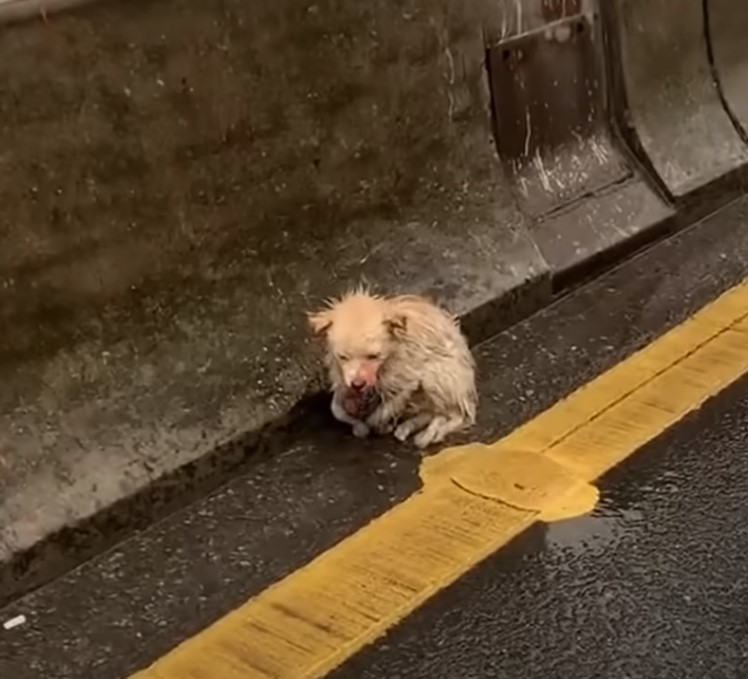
397 364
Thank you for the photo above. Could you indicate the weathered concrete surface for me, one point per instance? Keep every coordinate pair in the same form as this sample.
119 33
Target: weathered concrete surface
549 106
601 227
553 85
179 182
728 26
674 105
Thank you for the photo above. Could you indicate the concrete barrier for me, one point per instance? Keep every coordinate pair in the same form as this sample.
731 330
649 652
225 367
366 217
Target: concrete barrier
180 182
727 24
553 121
674 106
12 11
549 107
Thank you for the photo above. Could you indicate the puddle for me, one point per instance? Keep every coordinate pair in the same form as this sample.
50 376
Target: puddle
599 531
619 516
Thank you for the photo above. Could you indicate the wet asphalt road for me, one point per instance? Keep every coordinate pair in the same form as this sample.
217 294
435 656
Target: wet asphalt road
611 596
653 585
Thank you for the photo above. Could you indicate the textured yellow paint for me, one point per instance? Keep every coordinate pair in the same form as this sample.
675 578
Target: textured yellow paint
474 499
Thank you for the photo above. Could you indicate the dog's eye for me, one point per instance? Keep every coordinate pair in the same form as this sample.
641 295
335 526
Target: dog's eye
373 357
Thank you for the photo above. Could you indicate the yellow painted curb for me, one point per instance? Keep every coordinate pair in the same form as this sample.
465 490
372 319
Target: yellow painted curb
475 498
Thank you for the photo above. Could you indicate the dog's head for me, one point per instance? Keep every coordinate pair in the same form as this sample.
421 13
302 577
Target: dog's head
361 332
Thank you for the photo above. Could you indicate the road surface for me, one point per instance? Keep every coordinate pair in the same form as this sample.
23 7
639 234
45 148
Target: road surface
652 583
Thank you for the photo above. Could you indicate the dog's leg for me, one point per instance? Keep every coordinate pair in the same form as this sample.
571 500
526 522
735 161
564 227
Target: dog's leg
412 425
382 420
439 427
360 429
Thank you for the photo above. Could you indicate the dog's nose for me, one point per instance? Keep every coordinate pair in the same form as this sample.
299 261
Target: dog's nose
358 384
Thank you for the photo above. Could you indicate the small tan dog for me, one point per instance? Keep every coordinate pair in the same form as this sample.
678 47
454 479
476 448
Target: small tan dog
410 354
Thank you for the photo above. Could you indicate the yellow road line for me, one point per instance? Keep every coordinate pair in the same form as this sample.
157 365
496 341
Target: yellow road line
474 499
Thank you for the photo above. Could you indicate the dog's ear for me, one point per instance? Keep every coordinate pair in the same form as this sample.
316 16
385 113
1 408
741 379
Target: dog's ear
396 324
319 321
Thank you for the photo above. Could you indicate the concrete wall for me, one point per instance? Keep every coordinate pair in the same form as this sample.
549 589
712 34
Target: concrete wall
179 182
151 145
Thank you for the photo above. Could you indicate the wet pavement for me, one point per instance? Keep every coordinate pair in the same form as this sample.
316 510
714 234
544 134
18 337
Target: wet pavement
658 564
653 584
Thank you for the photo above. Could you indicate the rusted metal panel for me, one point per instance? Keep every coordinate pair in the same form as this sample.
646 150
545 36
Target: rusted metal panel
550 115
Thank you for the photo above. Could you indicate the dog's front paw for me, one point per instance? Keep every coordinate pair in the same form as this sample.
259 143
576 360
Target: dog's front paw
380 423
403 431
384 428
360 430
381 426
428 437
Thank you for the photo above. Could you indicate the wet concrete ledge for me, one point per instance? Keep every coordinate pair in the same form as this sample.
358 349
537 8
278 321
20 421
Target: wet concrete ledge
180 183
